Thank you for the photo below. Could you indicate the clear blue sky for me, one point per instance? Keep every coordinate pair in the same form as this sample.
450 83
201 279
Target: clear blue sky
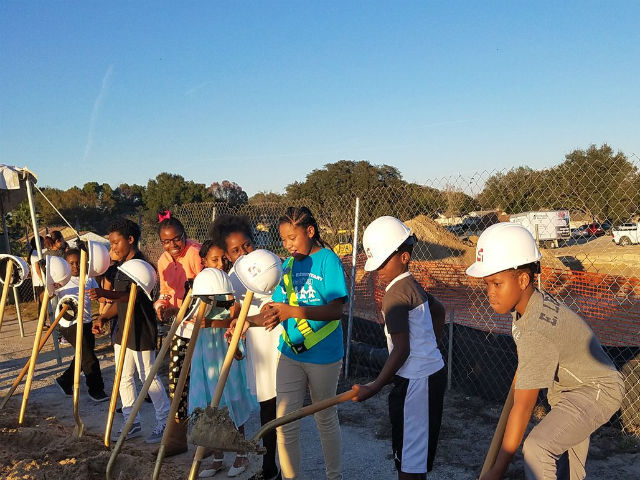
261 93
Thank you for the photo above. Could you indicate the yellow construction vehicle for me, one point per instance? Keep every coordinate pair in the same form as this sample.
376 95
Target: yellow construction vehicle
345 243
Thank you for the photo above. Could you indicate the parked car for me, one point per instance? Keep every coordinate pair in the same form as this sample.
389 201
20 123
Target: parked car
595 230
626 234
580 232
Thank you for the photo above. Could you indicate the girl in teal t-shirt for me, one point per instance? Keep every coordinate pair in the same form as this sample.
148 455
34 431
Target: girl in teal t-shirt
308 303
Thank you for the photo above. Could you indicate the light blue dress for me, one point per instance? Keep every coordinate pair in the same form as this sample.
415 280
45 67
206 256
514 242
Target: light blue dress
208 357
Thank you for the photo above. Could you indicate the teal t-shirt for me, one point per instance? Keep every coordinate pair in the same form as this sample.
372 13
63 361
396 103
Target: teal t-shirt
317 280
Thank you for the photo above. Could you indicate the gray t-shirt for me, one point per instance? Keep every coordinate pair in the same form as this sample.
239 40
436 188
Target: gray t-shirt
559 351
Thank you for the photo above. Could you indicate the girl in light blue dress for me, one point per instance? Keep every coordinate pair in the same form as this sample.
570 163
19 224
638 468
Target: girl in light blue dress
208 357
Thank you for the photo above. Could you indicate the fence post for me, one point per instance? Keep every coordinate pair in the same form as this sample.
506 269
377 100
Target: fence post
450 350
538 243
354 255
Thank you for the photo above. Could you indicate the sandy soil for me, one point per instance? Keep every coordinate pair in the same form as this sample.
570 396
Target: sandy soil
44 448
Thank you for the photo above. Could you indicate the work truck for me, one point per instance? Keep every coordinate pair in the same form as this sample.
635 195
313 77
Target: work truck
626 234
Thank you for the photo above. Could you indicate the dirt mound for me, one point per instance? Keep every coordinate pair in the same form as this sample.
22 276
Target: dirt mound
438 243
47 449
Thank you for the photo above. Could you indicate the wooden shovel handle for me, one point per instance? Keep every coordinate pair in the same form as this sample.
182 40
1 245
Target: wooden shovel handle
498 435
5 289
306 411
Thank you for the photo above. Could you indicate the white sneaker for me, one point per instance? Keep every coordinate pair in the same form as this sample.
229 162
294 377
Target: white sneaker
235 471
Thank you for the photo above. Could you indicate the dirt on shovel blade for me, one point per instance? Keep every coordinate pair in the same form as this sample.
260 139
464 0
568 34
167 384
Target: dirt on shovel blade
213 428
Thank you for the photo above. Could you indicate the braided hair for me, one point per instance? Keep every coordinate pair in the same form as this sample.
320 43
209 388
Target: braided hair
302 217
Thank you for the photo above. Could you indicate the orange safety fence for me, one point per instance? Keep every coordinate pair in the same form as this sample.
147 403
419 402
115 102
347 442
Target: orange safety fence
610 304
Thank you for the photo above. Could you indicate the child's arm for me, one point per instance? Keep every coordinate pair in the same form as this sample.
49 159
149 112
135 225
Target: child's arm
397 357
274 313
109 312
101 293
523 403
438 313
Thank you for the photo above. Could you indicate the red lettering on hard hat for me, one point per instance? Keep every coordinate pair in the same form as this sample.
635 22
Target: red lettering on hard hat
368 252
479 255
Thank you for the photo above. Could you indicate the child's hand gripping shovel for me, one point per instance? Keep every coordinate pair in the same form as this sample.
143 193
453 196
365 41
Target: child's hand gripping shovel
259 271
166 344
57 274
66 303
144 276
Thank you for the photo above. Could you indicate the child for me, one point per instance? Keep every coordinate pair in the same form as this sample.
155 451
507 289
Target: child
90 364
309 305
233 235
178 264
208 357
556 350
140 348
413 325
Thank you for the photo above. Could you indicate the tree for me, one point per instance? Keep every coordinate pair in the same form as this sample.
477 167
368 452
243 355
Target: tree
266 197
229 192
169 189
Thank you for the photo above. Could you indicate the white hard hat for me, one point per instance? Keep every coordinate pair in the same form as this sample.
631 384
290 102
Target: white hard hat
142 273
99 260
212 282
58 272
20 269
72 310
259 271
381 238
501 247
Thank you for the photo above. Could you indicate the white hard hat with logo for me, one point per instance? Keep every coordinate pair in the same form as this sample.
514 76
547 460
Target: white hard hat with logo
259 271
142 273
99 260
503 246
58 273
381 238
20 269
72 308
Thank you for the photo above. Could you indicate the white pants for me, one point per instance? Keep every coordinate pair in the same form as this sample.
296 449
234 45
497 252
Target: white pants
142 361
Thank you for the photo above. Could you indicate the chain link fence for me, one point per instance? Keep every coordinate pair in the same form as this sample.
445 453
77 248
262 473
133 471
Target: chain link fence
581 265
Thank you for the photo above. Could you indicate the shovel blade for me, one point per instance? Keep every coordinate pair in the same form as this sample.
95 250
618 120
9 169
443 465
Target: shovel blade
213 428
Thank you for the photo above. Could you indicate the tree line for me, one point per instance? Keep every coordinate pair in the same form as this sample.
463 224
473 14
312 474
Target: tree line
598 182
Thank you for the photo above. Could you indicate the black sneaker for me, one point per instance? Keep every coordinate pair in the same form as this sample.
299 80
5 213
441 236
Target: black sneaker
68 391
99 396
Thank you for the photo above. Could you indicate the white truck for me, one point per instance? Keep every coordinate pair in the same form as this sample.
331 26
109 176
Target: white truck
549 228
626 234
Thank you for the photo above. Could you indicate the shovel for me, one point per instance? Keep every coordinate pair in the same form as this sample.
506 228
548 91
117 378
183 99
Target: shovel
498 435
182 379
5 289
78 430
214 429
147 383
22 373
123 351
224 373
32 360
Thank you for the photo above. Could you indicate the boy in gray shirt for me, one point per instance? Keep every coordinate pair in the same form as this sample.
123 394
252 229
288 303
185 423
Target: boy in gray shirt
556 350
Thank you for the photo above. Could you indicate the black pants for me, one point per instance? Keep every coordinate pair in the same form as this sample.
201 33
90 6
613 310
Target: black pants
176 363
437 387
89 362
268 413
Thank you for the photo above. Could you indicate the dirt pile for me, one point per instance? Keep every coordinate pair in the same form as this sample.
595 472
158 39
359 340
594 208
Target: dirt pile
213 428
46 449
438 243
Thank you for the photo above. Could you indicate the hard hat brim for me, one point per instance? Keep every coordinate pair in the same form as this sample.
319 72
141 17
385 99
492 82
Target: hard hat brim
479 270
372 264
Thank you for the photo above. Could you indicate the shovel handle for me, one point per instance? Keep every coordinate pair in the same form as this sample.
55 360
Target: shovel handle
166 344
177 394
123 351
79 334
5 289
23 372
498 435
32 361
224 374
306 411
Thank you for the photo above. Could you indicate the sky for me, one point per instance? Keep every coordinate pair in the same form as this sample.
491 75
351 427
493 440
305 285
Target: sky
262 93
